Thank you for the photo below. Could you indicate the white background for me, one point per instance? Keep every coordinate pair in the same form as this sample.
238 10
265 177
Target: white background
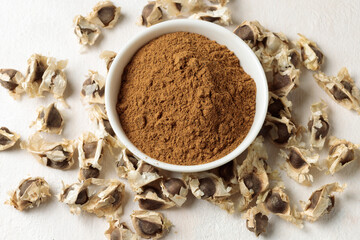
45 27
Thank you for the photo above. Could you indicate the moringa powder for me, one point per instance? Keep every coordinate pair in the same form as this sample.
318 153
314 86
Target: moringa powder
185 99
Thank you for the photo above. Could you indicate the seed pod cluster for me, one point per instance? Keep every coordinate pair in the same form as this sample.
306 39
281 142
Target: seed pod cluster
11 80
210 187
256 221
253 174
7 138
120 231
341 153
105 14
93 89
321 201
283 131
311 56
341 88
57 155
90 151
298 163
160 10
149 224
102 197
30 193
49 120
318 125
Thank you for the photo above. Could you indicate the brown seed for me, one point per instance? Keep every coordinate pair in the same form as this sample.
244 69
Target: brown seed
318 53
331 206
147 168
295 60
226 171
54 119
283 133
90 172
150 204
9 85
251 181
90 149
173 185
148 10
58 165
275 204
280 81
209 18
25 186
178 6
149 228
275 108
4 140
323 131
261 223
338 93
208 187
82 197
106 15
39 71
347 86
108 128
314 199
295 159
245 33
117 199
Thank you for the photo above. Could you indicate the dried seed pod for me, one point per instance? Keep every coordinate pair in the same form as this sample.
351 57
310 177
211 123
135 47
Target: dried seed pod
311 56
7 138
120 231
274 43
93 89
101 197
298 164
321 201
216 14
108 57
318 125
288 58
54 79
86 32
250 32
126 162
276 201
151 14
173 8
340 88
152 198
208 186
11 80
149 224
283 131
37 65
279 106
57 155
90 151
341 153
252 173
104 14
142 176
228 173
175 189
256 221
285 81
30 193
49 120
98 114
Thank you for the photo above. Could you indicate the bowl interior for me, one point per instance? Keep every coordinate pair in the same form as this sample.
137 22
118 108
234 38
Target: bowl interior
221 35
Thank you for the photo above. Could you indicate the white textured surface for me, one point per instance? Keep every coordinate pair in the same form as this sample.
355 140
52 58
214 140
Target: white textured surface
46 27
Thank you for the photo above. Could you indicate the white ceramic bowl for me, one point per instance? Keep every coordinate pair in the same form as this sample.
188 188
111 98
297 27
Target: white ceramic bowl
248 61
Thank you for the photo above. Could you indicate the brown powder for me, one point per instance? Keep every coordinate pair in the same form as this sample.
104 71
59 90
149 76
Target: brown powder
185 100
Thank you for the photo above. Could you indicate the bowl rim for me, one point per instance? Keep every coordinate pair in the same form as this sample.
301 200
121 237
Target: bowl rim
186 24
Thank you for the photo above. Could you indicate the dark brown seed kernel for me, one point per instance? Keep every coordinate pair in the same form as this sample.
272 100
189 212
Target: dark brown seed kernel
86 31
318 53
338 93
275 204
323 131
25 186
295 159
147 168
209 18
117 199
6 130
261 223
280 81
178 6
4 140
149 228
54 119
347 86
245 33
90 149
331 206
173 185
90 172
106 15
58 165
275 107
294 59
149 204
226 171
82 197
39 71
108 128
283 133
251 181
9 85
207 186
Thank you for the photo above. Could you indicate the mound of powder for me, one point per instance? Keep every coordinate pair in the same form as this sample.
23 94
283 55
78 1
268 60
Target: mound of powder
185 99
